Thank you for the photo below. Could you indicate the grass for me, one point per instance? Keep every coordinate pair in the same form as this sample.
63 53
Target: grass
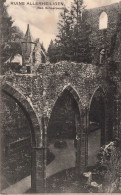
66 182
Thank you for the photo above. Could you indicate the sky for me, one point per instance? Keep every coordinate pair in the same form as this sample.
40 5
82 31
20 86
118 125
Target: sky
43 22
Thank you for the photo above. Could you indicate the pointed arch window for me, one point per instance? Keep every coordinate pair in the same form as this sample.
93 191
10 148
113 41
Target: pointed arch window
103 21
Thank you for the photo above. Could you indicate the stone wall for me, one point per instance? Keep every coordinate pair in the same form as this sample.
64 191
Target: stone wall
39 92
83 78
108 38
44 87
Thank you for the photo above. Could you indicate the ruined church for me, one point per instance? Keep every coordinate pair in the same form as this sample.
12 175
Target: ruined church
58 116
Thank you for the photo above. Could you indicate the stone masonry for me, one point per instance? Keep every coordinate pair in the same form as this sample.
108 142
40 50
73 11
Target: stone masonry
37 93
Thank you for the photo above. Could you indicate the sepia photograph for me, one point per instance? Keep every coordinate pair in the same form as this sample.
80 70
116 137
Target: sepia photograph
60 100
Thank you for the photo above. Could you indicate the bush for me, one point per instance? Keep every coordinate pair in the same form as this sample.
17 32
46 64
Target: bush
108 165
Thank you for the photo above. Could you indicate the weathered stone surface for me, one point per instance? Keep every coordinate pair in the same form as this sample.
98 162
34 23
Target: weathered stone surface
96 187
37 94
113 187
87 177
105 38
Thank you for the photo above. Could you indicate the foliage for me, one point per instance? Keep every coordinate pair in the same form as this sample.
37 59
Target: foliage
109 159
10 38
53 52
72 41
6 23
12 67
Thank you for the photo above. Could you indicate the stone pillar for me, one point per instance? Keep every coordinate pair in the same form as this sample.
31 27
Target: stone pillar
85 128
78 142
38 174
83 141
117 118
45 124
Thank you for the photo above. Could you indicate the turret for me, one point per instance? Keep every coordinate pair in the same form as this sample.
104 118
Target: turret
32 53
26 50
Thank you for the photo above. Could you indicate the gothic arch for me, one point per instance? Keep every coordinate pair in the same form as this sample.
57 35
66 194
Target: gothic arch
65 123
97 111
99 88
103 21
28 110
74 93
97 124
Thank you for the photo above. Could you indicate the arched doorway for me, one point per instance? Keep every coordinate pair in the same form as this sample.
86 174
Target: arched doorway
20 134
63 133
96 131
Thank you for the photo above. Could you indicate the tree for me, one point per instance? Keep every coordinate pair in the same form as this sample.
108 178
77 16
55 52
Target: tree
81 31
60 48
63 38
72 41
52 52
6 23
10 37
83 49
69 31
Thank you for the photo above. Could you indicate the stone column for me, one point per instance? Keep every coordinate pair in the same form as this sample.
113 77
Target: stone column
78 142
38 179
45 124
85 128
117 117
37 174
83 139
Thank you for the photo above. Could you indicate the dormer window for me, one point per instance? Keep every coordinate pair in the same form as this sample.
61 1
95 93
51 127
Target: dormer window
103 21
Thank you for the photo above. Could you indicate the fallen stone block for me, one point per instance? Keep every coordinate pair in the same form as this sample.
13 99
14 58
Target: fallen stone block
96 187
87 178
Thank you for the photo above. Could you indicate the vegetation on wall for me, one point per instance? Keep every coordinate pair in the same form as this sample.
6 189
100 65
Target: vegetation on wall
108 166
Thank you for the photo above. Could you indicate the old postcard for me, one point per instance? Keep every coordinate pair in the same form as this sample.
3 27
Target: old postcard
60 96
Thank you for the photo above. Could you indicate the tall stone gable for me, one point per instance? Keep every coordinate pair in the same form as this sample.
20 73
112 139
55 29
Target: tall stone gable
31 53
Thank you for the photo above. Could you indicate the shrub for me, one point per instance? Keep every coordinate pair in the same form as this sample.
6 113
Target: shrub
109 160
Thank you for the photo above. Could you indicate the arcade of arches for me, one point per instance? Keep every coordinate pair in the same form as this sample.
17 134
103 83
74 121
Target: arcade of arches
67 131
62 113
53 123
